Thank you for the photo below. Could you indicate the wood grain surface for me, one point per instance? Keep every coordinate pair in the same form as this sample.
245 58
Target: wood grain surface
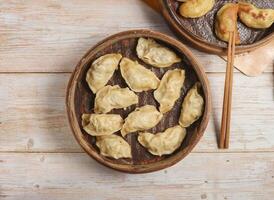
75 176
46 129
40 43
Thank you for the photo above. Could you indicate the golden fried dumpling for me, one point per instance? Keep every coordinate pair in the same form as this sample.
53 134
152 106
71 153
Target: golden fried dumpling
137 77
192 107
226 22
254 17
155 54
195 8
164 142
101 70
101 124
170 89
141 119
110 97
113 146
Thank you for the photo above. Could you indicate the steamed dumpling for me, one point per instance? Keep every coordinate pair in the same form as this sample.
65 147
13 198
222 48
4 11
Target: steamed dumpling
137 77
110 97
192 107
141 119
155 54
254 17
170 89
226 22
195 8
101 71
164 142
113 146
101 124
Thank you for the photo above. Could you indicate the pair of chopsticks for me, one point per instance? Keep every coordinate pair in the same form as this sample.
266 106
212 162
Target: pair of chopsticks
227 101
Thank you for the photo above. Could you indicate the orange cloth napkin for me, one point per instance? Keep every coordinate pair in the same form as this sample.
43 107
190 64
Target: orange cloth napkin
255 62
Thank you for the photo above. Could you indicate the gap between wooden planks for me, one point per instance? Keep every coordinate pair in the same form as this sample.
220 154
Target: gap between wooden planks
46 129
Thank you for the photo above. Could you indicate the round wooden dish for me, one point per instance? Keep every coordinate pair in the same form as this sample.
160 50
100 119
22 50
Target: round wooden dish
200 31
80 100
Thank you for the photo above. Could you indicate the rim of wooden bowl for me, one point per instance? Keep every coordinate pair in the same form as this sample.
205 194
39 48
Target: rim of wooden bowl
72 86
203 45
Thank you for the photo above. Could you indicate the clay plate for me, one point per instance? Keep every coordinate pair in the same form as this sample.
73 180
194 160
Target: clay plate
200 31
80 100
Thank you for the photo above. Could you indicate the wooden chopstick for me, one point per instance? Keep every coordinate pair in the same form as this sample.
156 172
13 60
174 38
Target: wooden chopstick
230 92
227 101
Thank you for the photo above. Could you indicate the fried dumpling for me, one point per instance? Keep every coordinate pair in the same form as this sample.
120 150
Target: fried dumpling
141 119
170 89
137 77
254 17
155 54
226 22
113 146
195 8
192 107
101 70
110 97
101 124
164 142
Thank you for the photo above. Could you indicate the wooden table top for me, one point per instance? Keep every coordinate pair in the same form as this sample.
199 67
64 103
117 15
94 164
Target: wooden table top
40 43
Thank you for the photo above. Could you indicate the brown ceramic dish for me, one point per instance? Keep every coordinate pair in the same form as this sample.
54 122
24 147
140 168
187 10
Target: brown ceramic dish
80 100
200 31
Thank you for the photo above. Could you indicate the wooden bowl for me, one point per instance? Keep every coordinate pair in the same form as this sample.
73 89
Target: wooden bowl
80 100
200 31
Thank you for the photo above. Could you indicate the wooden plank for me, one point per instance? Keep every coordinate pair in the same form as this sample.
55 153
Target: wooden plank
52 36
75 175
33 116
